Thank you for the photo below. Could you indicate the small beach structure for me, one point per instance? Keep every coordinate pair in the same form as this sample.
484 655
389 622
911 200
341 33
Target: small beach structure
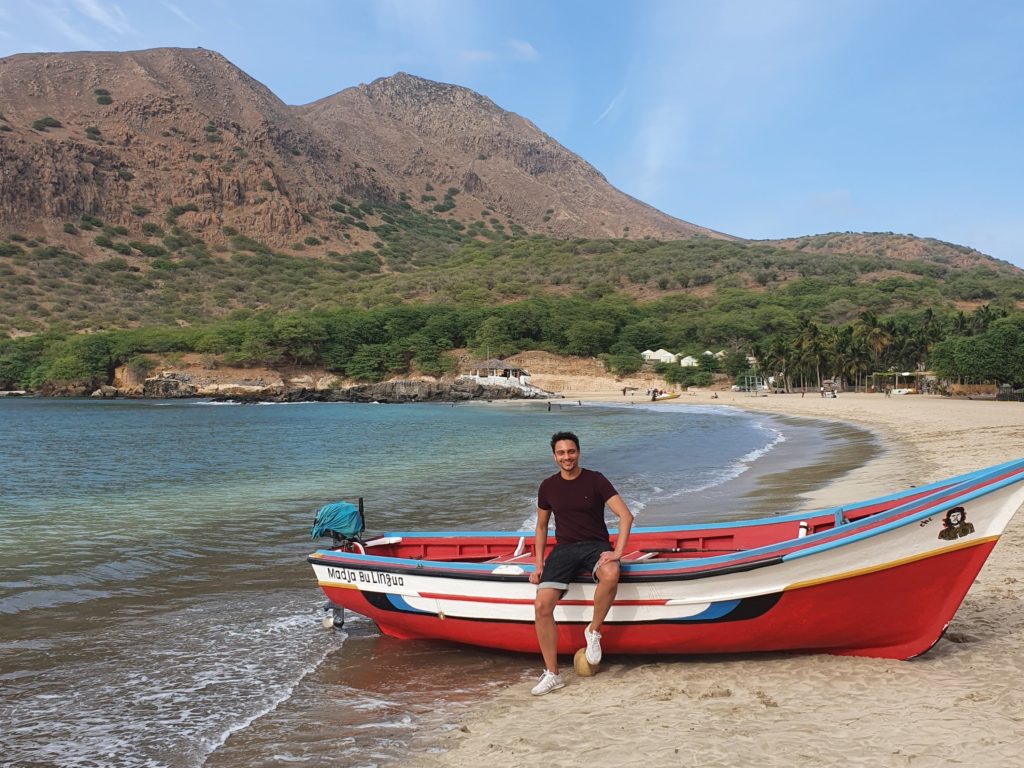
500 373
496 371
880 578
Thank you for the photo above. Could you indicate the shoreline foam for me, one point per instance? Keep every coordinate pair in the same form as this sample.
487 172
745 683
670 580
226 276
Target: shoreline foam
959 703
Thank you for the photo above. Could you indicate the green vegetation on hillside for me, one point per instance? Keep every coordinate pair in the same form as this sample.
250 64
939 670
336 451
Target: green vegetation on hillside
388 341
430 284
727 291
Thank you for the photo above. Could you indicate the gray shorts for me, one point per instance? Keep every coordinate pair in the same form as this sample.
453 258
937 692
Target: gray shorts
567 561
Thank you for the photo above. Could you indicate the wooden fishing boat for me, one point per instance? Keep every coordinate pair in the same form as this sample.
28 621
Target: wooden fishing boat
877 578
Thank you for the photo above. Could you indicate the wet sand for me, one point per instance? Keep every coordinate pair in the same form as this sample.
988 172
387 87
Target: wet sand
961 703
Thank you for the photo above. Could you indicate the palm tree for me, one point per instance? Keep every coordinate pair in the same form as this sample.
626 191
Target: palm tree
841 352
984 316
811 344
774 358
961 325
873 334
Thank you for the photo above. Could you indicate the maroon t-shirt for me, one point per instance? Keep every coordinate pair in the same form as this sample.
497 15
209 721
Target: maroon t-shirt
578 505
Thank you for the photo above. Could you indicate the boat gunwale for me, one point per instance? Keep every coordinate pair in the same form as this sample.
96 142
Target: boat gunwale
948 493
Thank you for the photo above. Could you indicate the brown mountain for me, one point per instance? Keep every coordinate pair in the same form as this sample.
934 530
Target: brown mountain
123 136
420 132
894 246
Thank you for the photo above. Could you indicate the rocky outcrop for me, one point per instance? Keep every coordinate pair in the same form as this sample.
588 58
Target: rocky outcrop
169 385
176 384
128 380
68 388
425 391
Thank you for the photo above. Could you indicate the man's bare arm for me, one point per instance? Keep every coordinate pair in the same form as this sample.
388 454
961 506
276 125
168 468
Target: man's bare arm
540 542
621 511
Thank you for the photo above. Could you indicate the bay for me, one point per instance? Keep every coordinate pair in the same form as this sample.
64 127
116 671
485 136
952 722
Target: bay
156 608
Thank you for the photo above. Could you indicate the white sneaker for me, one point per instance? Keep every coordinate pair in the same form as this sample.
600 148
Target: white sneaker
593 645
548 682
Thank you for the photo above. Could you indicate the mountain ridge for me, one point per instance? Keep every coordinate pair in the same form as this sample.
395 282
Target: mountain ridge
191 127
174 174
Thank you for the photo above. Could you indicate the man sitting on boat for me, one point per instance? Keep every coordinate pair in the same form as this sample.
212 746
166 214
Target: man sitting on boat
577 498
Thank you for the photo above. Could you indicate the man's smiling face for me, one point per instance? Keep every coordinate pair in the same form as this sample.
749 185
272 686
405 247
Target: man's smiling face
567 456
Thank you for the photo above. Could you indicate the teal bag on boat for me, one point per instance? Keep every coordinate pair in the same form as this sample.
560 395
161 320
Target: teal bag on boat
340 518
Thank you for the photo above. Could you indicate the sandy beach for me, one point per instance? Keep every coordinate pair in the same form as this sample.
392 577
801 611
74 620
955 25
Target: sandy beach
961 703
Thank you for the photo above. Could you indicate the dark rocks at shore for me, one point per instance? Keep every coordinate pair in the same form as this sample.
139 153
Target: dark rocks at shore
426 391
383 392
169 386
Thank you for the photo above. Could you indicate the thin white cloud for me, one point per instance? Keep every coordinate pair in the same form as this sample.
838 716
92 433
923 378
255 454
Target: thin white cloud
661 145
425 23
476 55
611 106
55 18
711 68
522 50
110 16
180 14
431 35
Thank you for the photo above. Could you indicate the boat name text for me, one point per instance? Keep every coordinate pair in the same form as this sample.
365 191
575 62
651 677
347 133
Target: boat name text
364 577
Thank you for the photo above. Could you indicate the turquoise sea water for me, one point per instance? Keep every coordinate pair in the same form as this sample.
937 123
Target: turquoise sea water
156 608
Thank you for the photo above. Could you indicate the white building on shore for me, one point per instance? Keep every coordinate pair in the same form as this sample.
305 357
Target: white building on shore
499 373
661 356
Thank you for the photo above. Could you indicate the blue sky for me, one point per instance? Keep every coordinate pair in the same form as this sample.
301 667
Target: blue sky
763 119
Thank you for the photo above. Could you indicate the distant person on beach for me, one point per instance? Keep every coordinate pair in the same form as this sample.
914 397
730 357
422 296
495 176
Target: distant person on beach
577 498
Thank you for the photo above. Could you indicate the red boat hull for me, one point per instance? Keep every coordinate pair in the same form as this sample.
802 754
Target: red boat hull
897 612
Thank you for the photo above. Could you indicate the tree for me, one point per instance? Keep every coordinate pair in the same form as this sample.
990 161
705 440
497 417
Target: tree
258 345
374 362
300 338
588 338
735 363
811 348
82 359
493 337
873 335
623 359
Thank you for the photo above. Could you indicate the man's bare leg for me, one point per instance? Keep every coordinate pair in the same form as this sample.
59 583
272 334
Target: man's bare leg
604 595
547 629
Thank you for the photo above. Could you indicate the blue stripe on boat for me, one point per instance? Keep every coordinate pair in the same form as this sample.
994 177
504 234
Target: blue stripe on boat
399 602
714 611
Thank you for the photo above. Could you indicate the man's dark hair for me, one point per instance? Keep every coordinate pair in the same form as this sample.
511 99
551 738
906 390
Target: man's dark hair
564 436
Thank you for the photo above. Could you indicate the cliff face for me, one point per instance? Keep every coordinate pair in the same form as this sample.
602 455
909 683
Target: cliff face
112 135
426 132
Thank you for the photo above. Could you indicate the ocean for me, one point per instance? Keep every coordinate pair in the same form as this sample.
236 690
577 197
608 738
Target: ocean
156 607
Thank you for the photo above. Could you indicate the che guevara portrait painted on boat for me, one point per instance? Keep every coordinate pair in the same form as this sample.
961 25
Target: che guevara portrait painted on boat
955 525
